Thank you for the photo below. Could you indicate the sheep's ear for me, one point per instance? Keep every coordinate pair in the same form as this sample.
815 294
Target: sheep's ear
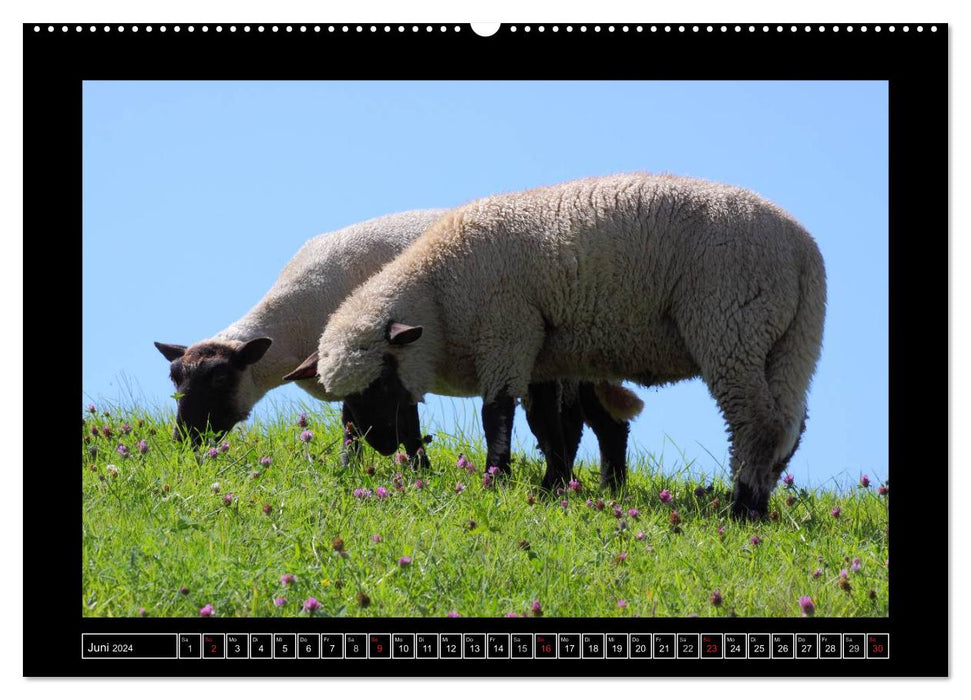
171 352
400 334
253 351
306 370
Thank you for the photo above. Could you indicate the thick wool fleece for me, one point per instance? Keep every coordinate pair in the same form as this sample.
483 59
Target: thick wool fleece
648 278
312 285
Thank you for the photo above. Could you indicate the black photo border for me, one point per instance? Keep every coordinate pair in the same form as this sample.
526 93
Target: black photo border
912 58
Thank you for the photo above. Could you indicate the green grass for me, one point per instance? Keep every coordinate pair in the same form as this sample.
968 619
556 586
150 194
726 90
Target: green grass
155 523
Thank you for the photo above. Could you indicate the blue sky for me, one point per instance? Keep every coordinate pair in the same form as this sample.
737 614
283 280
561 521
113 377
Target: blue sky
196 194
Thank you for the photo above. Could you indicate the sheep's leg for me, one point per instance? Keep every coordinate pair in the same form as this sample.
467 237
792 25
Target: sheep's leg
746 367
772 477
413 441
571 417
759 436
536 423
547 423
351 449
505 355
765 404
497 417
612 436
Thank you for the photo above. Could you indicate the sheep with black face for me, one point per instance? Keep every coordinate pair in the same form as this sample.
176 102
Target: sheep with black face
219 380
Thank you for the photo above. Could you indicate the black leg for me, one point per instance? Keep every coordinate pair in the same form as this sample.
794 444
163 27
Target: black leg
612 436
350 451
545 420
497 418
412 438
748 503
571 417
537 424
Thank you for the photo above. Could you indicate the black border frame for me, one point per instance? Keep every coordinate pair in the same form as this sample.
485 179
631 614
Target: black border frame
914 62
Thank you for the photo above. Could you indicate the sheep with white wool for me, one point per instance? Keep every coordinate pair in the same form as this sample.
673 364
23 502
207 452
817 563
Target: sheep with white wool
648 278
220 379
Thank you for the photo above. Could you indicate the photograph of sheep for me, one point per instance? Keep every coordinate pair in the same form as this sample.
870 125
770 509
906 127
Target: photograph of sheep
393 349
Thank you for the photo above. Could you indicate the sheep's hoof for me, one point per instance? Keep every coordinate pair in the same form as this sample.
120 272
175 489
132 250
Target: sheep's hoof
612 482
551 483
741 513
749 503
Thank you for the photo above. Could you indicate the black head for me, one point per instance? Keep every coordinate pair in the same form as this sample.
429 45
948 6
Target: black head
385 412
207 380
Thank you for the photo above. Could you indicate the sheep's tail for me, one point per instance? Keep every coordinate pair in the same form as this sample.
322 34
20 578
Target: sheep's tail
792 361
621 403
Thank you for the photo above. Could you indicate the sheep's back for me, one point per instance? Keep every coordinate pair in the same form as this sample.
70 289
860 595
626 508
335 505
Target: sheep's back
328 267
606 262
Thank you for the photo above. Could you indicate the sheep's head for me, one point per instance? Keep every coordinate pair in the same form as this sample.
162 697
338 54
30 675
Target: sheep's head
207 378
366 379
384 411
352 354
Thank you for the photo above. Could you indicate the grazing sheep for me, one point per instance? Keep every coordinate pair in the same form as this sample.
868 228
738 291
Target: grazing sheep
222 378
654 279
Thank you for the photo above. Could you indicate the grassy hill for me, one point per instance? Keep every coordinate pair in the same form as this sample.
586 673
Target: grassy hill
268 522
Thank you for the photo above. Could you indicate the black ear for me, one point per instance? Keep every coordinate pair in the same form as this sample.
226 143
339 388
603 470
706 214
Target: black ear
400 334
306 370
171 352
253 351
